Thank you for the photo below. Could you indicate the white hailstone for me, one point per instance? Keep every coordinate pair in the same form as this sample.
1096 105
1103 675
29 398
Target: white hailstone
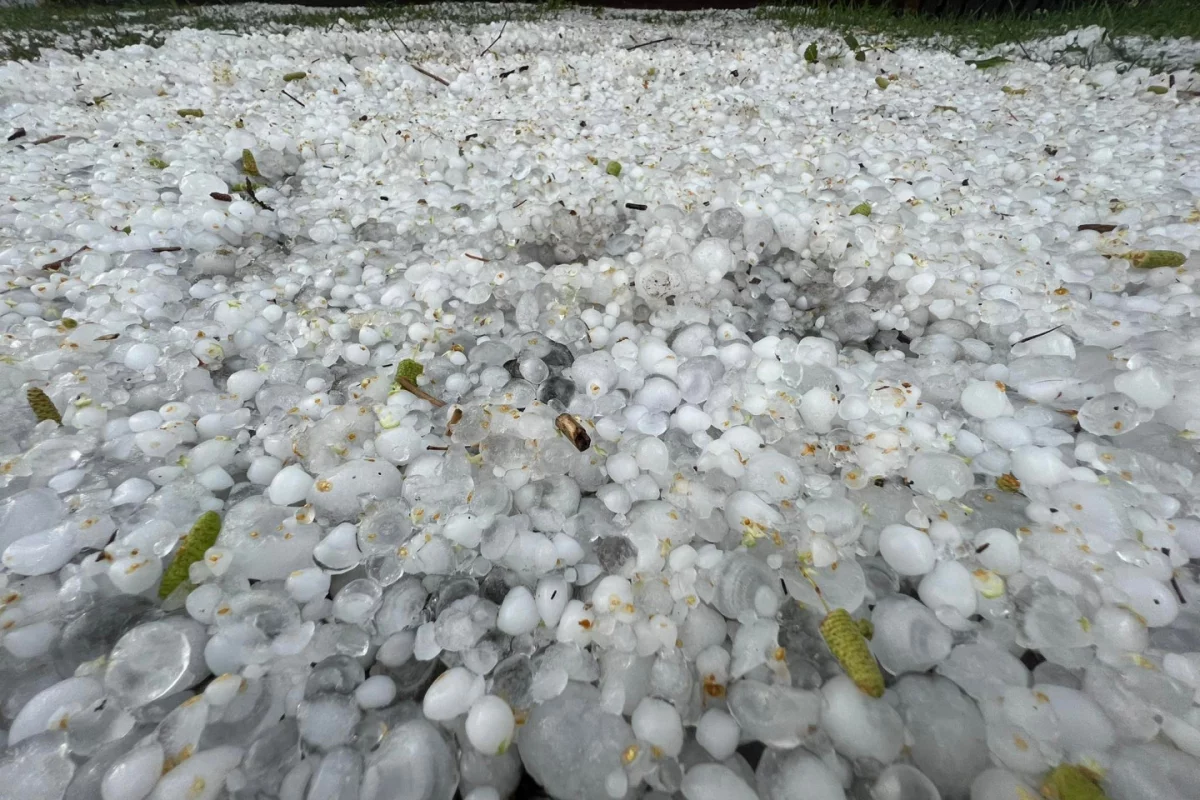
998 550
818 409
622 467
859 725
490 725
245 382
134 774
201 777
289 486
658 394
715 782
1151 599
1149 387
356 354
452 694
223 689
141 356
202 603
1039 466
397 649
986 400
718 733
906 550
307 584
612 594
376 691
576 623
518 613
949 584
135 574
657 723
1120 629
552 595
712 260
263 469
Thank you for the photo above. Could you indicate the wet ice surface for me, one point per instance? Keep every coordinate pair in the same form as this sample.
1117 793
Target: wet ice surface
675 404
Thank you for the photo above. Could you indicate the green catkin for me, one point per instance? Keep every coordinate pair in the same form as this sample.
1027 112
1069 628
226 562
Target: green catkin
407 369
294 76
42 405
1158 90
192 547
250 164
1070 782
190 112
988 63
862 210
848 645
614 169
1153 259
810 54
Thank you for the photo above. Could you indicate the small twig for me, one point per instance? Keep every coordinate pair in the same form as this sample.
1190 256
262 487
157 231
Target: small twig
506 73
165 249
474 257
17 134
1178 592
254 198
493 44
392 28
636 206
1098 227
518 205
647 44
430 75
1037 335
54 266
440 449
407 385
52 138
297 102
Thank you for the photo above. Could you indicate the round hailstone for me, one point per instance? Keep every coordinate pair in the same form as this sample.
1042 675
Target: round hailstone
986 400
452 694
657 723
715 782
712 260
906 550
718 733
949 584
999 551
289 485
490 725
376 691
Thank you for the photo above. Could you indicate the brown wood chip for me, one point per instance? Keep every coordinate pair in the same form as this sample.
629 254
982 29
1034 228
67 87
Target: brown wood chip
1098 227
571 428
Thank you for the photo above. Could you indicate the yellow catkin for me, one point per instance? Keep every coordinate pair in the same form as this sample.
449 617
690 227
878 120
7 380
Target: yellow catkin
249 164
1154 259
849 647
1071 782
42 405
202 536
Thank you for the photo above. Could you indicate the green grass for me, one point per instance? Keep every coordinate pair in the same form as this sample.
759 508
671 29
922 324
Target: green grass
25 32
1153 18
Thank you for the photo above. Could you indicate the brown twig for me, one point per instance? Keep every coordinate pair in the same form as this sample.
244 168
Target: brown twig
52 138
474 257
165 249
569 426
1037 335
17 134
407 385
505 74
54 266
430 75
293 98
493 44
254 198
1098 227
647 44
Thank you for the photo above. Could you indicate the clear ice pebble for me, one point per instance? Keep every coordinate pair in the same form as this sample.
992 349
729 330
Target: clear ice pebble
1150 598
859 725
777 716
1111 414
37 768
715 782
339 493
940 475
908 636
793 774
201 777
28 512
1149 387
570 746
156 659
413 762
1084 730
948 734
376 691
906 550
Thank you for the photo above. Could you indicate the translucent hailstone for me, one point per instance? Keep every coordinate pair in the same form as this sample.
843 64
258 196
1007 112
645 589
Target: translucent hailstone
154 660
949 735
906 550
860 726
939 475
715 782
784 774
778 716
908 635
711 260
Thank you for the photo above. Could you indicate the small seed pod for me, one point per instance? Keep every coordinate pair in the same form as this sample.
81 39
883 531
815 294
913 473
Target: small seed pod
1153 259
249 163
1071 782
569 426
192 547
42 405
849 647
